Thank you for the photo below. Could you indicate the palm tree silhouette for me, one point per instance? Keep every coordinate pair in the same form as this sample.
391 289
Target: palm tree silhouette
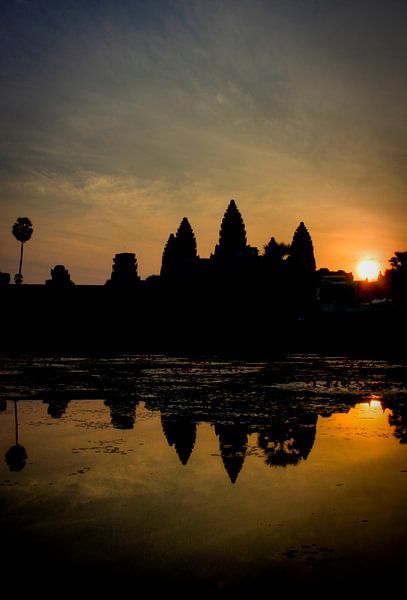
22 231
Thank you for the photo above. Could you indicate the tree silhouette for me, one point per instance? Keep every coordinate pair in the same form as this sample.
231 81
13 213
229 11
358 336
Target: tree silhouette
22 231
398 262
274 252
396 277
274 272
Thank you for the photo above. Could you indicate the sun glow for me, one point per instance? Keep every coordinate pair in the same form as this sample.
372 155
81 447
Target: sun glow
368 269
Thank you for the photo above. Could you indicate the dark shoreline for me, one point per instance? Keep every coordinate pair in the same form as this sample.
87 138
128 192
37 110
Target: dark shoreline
97 320
194 347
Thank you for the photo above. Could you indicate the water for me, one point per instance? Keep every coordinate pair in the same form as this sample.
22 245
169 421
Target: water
203 475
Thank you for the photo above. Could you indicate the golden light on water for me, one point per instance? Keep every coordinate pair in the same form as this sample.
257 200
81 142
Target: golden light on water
368 269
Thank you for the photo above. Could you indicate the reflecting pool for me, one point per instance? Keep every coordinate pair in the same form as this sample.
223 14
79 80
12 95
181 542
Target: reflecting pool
203 475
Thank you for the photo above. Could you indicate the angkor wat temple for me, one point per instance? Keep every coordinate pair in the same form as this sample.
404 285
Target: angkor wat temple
234 295
233 263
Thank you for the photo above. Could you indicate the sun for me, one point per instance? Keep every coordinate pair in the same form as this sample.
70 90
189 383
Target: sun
368 269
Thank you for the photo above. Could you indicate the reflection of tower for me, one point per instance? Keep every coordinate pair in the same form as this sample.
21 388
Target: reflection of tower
56 406
288 441
181 434
16 456
232 444
122 412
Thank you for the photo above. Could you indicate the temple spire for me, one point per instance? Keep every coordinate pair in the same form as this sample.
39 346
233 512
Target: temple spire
185 240
232 234
180 255
302 251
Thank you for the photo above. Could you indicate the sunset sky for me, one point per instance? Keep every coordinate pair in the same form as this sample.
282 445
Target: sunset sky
120 117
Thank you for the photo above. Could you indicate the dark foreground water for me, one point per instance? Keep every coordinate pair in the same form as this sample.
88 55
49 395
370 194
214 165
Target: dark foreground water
203 476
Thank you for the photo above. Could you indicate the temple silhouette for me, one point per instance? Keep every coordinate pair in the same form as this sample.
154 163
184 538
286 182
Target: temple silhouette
236 297
180 432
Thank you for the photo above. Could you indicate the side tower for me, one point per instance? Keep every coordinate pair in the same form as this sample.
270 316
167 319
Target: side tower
124 271
60 278
301 256
302 286
180 257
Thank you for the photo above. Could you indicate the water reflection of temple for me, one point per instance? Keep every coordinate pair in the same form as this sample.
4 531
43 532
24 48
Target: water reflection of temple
282 431
232 445
397 418
57 404
122 408
180 433
285 441
122 411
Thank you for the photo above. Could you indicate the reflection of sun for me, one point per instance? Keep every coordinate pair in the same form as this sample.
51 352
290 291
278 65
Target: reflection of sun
372 402
368 269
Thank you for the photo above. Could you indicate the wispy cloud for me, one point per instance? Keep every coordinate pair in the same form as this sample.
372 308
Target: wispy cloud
119 118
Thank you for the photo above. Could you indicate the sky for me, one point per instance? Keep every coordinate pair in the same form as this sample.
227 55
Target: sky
118 118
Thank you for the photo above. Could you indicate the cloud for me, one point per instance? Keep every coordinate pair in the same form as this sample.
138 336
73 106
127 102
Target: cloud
126 116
